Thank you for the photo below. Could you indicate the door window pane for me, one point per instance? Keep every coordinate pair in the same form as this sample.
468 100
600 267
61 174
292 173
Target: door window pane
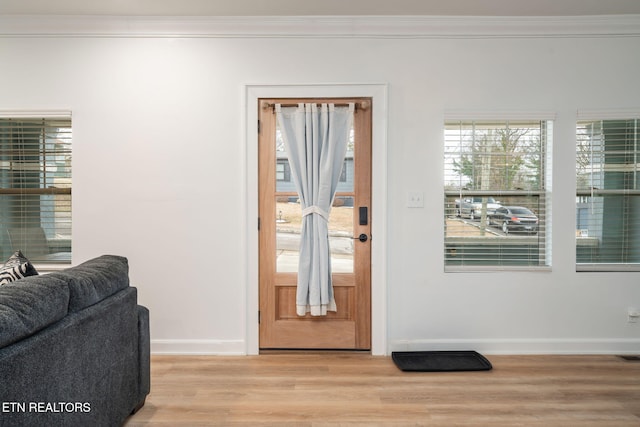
289 215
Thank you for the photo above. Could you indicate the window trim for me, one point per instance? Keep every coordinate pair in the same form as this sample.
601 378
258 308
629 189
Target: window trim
32 114
53 114
544 193
586 115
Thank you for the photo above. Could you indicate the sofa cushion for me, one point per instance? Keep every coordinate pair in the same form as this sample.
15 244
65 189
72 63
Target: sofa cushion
17 267
94 280
29 305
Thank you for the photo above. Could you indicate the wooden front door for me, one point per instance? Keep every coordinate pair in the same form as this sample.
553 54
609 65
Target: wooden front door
280 222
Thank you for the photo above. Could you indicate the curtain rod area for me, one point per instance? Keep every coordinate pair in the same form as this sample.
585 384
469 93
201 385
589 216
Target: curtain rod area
362 105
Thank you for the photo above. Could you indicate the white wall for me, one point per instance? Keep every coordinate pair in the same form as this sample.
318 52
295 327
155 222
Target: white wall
160 174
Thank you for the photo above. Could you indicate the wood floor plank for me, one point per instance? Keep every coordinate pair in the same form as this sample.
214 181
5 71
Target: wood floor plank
356 389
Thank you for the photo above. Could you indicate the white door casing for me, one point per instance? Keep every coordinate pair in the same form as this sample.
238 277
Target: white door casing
378 93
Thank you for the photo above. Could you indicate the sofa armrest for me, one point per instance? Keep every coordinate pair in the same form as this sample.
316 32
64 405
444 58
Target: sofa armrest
144 354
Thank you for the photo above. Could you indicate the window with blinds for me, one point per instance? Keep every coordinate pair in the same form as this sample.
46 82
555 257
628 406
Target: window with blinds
35 188
496 205
608 195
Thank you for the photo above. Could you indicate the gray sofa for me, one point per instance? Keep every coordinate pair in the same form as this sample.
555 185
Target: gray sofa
74 347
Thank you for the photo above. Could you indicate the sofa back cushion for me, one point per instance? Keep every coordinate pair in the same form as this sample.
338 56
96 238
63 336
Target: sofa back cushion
29 305
94 280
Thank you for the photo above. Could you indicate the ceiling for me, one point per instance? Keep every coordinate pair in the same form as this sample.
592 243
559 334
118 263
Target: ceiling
320 7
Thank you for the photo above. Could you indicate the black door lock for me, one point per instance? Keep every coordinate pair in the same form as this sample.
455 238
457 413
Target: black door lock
363 215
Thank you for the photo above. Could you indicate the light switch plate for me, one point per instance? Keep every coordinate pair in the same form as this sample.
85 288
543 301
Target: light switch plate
415 199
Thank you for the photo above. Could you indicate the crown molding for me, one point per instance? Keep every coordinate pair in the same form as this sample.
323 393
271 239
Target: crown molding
410 27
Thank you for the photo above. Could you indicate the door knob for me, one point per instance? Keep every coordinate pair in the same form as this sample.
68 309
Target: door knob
362 237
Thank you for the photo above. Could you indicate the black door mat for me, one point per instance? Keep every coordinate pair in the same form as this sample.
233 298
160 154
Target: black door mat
630 357
440 361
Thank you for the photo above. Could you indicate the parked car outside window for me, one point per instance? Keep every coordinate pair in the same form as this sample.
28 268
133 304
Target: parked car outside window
471 207
514 218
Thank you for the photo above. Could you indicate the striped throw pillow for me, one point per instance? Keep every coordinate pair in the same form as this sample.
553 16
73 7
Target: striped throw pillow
17 267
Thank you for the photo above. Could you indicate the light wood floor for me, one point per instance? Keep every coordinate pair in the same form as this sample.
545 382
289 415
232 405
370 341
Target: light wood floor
342 389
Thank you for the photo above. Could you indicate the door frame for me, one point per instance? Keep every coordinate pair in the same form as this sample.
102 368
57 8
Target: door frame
378 93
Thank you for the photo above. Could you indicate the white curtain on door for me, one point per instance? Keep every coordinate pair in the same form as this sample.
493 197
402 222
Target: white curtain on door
315 138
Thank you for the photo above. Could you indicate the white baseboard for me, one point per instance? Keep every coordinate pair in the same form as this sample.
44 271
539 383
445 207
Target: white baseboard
524 346
394 27
205 347
485 346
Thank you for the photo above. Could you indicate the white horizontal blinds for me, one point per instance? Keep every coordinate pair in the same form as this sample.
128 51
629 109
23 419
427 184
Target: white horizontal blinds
35 188
495 208
608 194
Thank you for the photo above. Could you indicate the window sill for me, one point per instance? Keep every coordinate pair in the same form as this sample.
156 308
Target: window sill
606 268
495 268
